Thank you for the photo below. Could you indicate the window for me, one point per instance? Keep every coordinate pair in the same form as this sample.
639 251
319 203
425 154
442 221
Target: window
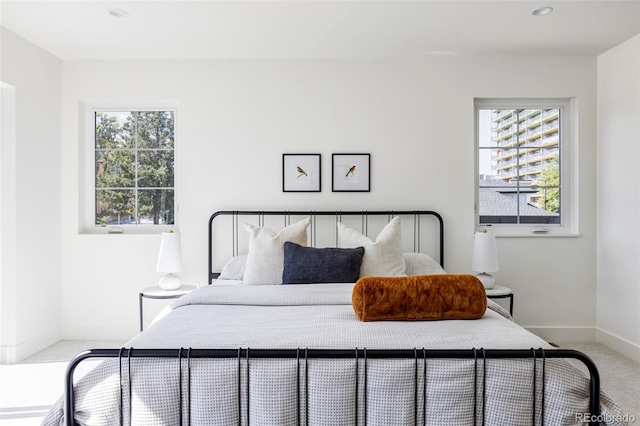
521 167
134 167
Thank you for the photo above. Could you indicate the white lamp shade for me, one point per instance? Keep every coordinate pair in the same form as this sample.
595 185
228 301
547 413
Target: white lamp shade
485 254
170 256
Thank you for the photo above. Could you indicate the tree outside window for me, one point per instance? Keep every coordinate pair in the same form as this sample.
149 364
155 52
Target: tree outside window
549 187
134 167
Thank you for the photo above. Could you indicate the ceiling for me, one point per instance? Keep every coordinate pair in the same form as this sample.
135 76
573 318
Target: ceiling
319 29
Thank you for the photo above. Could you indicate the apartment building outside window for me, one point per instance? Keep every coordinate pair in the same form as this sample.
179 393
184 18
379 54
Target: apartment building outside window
520 149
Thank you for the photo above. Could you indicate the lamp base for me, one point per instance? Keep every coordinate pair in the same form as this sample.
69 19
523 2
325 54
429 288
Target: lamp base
170 282
487 280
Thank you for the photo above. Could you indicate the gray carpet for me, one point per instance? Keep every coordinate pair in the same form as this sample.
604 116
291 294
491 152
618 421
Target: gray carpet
619 375
44 371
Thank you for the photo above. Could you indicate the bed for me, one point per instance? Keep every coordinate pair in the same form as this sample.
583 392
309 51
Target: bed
244 350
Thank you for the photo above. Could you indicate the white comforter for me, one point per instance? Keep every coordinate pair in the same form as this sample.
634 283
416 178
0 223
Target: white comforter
321 316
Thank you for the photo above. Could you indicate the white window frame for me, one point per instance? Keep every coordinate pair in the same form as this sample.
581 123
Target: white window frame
87 150
568 167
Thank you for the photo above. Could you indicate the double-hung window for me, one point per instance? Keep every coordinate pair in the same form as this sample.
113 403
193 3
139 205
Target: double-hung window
134 167
521 166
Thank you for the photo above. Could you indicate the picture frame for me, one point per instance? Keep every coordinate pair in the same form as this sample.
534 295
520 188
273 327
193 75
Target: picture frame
301 173
351 172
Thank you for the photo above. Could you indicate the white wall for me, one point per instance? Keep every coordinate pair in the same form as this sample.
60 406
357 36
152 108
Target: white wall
236 118
30 199
618 282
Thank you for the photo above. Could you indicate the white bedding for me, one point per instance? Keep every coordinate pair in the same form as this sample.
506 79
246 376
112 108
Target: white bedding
314 316
321 316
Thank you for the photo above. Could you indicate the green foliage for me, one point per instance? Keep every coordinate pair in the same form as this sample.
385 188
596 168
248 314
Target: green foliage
549 183
134 167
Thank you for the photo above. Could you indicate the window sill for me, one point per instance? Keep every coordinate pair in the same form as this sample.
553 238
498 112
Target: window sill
127 230
551 231
530 235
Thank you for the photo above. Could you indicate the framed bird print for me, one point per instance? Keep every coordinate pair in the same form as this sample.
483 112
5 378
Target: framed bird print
301 173
351 173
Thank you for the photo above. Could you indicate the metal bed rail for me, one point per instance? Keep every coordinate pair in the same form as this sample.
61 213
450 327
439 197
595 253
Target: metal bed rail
338 214
360 355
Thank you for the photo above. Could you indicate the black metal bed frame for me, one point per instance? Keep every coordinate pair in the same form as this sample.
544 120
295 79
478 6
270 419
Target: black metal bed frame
286 214
360 357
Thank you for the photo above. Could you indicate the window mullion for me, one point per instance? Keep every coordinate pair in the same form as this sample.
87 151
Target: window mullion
517 115
135 171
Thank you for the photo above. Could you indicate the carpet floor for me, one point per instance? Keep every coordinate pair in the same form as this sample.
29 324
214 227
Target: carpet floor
619 375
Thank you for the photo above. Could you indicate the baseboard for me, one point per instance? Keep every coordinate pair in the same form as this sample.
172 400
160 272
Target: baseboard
565 334
122 332
618 344
14 354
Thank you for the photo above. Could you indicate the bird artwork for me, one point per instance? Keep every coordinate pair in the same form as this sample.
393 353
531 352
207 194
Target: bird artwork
351 171
301 172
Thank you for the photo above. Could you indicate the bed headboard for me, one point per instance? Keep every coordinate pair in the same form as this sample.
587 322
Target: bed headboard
425 227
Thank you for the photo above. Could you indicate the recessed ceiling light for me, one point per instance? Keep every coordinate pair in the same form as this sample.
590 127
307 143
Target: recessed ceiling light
541 11
118 13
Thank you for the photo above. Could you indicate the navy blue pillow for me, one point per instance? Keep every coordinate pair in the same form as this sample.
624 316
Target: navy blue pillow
304 265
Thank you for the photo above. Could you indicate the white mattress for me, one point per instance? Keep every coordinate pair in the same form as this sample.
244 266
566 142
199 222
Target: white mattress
321 316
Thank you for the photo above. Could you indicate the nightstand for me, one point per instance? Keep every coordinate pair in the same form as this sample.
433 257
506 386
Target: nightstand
158 293
501 292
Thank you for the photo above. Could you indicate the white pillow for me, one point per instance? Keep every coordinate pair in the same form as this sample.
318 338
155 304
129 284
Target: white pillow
265 260
421 264
234 268
382 257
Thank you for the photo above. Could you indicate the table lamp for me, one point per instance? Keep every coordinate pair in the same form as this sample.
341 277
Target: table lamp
485 257
170 261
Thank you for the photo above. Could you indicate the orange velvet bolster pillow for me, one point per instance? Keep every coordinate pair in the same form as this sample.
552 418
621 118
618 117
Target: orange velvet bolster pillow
422 297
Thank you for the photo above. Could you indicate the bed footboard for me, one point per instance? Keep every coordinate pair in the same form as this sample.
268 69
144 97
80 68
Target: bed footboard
247 361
